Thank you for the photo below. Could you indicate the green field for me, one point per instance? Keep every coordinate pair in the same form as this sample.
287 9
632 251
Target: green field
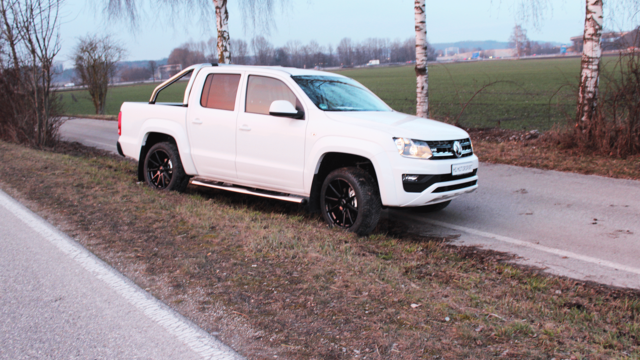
78 102
521 100
525 97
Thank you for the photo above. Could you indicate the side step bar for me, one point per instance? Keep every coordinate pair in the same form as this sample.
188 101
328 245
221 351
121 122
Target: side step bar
295 199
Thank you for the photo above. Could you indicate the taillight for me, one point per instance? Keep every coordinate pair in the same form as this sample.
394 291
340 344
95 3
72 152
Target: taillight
120 123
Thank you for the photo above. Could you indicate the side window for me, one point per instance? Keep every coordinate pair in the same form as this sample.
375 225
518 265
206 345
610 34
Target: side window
262 91
220 91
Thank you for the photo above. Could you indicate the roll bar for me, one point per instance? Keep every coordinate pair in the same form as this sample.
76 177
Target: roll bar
191 69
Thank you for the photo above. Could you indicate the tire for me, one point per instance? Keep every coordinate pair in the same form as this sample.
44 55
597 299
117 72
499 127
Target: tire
163 169
430 208
349 199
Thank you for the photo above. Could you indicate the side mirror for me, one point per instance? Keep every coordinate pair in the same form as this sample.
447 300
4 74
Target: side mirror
283 108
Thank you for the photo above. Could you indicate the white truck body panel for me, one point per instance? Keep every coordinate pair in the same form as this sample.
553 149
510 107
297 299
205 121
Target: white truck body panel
213 132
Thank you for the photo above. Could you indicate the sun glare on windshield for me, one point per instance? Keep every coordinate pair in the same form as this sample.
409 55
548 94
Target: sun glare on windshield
331 93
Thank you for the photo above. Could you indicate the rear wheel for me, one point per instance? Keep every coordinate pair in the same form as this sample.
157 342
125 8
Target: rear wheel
163 169
349 199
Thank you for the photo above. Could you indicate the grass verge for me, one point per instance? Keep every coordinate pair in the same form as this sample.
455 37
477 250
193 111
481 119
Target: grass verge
300 290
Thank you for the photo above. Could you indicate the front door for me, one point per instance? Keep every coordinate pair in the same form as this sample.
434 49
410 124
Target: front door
211 121
270 149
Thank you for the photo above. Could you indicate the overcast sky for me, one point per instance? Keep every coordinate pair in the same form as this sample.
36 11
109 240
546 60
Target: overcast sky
326 21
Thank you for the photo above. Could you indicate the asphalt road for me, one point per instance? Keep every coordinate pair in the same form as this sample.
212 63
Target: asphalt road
58 301
581 226
101 134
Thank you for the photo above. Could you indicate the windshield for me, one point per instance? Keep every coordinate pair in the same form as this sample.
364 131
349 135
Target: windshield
333 93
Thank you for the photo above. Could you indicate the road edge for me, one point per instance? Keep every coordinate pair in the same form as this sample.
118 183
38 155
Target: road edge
201 342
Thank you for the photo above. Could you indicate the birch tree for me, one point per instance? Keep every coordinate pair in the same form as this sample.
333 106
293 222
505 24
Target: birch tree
222 24
590 64
422 72
591 50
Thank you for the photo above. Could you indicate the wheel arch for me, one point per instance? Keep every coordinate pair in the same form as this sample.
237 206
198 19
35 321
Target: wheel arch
150 139
333 160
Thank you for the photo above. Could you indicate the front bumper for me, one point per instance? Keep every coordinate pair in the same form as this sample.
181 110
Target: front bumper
444 188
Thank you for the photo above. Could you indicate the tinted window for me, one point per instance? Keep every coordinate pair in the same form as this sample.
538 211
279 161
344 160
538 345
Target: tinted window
220 91
262 91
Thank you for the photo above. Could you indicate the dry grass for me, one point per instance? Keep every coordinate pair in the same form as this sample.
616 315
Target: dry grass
510 147
304 291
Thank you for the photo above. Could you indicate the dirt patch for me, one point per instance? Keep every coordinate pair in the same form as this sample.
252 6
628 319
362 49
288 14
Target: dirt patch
534 150
270 280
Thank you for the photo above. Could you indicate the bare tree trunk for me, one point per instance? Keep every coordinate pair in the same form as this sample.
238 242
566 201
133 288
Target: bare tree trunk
591 52
422 73
222 24
9 34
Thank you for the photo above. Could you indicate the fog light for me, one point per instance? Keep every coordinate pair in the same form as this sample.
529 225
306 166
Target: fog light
409 178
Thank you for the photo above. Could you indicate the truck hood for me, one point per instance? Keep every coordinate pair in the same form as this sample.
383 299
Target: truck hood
400 125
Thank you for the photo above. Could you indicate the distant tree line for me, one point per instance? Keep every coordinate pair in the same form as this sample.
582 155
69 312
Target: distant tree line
259 51
525 47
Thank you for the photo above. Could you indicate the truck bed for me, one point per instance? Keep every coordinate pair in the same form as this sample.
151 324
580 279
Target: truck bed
138 119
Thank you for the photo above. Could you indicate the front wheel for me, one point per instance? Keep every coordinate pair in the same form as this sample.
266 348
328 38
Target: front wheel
350 199
163 168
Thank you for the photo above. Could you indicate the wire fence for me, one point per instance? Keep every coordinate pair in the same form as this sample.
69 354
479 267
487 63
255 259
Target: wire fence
517 110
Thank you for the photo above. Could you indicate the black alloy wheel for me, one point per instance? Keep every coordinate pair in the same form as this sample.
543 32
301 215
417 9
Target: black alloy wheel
349 199
341 204
163 168
159 169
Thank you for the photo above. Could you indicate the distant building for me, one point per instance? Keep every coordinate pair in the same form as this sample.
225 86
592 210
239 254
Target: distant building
166 71
611 40
451 51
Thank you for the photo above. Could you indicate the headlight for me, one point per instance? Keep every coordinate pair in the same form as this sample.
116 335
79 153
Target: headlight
413 148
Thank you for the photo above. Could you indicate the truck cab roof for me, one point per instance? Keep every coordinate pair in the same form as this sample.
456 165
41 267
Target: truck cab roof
279 69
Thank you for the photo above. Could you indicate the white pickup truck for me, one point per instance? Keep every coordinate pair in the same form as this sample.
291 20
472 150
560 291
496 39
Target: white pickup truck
297 135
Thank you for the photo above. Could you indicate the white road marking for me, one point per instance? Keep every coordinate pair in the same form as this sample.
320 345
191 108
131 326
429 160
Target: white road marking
506 239
197 339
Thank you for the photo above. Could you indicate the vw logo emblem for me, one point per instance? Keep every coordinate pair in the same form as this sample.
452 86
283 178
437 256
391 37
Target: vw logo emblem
457 148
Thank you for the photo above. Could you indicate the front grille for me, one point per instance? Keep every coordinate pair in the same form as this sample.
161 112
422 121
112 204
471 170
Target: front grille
424 181
444 149
455 187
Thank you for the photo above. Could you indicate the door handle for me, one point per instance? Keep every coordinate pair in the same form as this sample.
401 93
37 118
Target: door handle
196 121
245 127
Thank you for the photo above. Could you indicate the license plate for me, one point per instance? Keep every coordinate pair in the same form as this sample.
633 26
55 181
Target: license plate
460 169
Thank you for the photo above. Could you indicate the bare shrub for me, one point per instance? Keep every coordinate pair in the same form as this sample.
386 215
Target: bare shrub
615 127
29 108
96 60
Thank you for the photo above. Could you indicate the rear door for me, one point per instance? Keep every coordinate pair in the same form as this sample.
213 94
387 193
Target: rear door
211 120
270 149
